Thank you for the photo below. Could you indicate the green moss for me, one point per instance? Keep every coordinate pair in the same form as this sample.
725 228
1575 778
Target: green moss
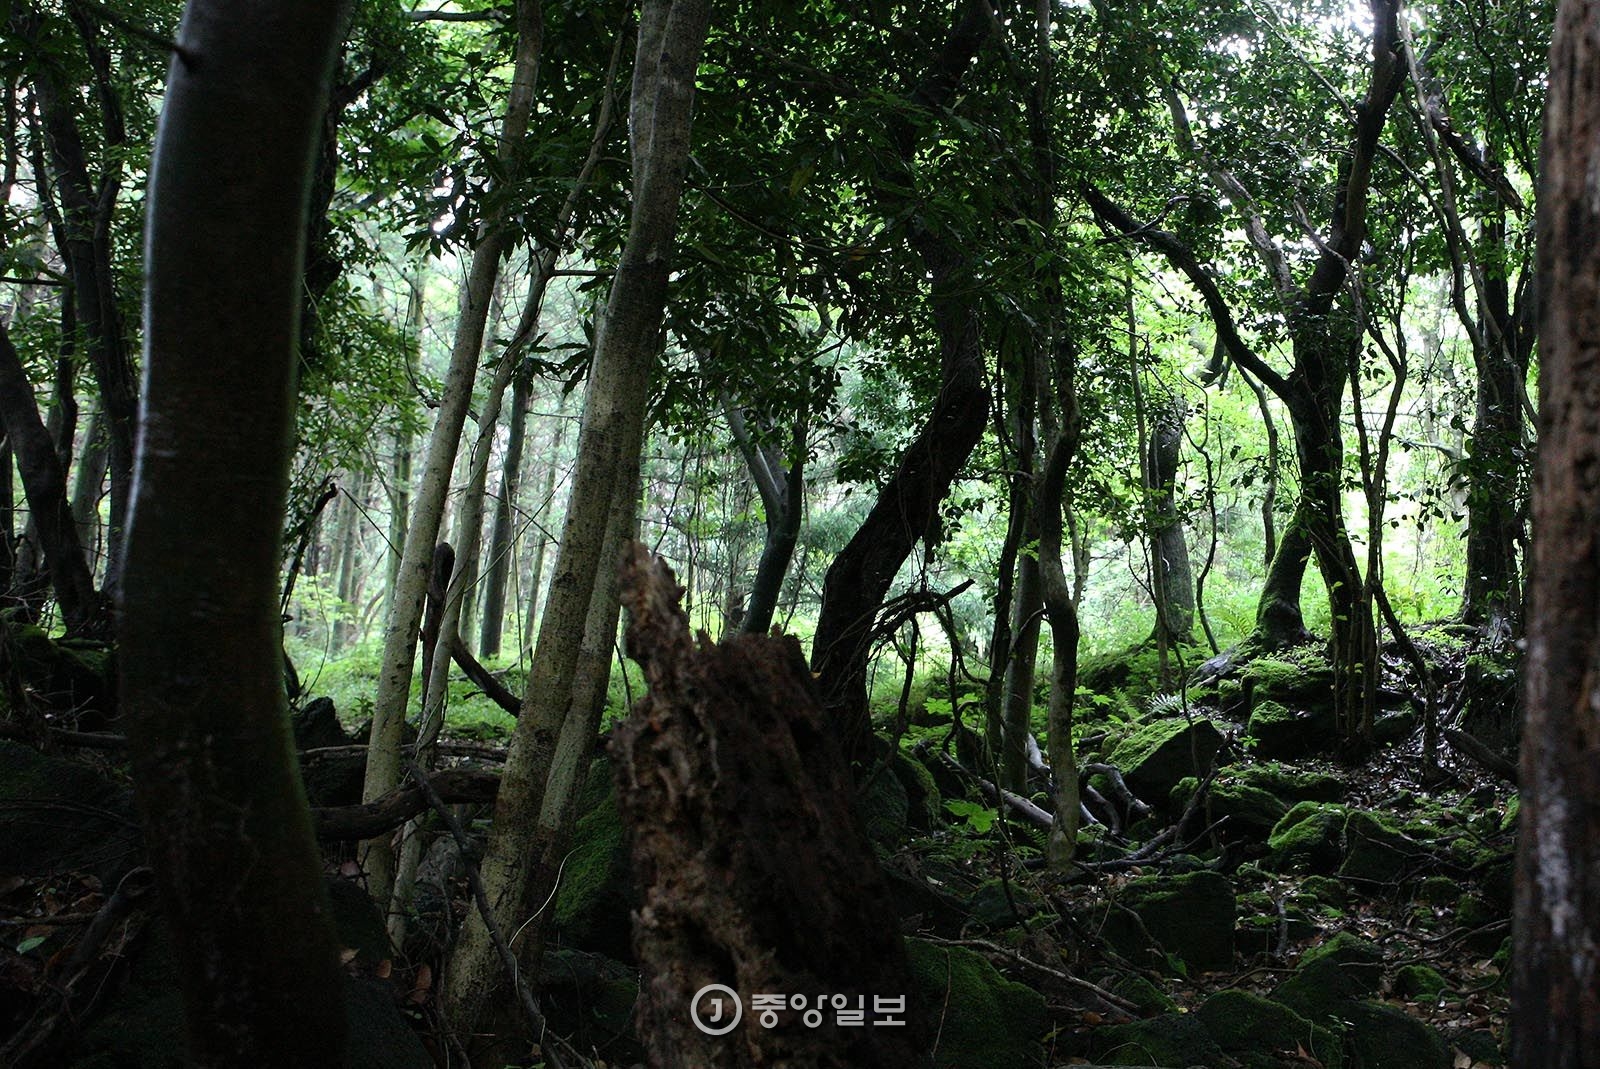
1309 838
1383 1037
987 1020
1375 850
1242 1023
591 908
1246 807
1191 916
1327 891
1292 786
1156 756
1418 981
1175 1040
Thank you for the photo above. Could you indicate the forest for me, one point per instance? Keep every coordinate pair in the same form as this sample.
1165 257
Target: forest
602 533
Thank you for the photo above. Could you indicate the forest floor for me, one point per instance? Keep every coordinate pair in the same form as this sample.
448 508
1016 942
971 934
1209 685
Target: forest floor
1248 902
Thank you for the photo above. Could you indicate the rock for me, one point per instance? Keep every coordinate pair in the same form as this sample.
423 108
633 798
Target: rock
988 1021
1326 891
925 802
1158 755
377 1035
883 807
357 923
1438 890
1376 851
1141 992
1173 1040
589 999
1310 838
991 906
1394 727
317 725
1359 957
1276 730
1255 1028
1249 810
1418 981
1383 1037
1340 971
1292 786
1300 677
595 899
1191 916
59 815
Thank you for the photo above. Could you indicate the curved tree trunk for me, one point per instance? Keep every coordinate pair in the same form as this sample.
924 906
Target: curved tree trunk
201 661
908 505
1555 986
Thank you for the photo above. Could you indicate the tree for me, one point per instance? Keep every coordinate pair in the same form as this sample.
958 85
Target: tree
1556 977
556 729
201 663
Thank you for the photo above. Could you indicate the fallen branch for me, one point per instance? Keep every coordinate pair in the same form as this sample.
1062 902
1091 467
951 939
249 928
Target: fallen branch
492 688
983 944
349 823
1480 754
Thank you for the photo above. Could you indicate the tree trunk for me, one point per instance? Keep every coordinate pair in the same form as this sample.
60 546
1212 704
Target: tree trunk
405 612
542 512
908 505
1556 974
671 36
226 820
753 889
45 484
500 540
87 482
1169 545
86 225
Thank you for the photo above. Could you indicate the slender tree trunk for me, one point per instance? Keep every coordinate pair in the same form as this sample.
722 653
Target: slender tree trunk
226 820
1169 545
671 36
1556 967
347 547
544 512
500 541
405 615
87 482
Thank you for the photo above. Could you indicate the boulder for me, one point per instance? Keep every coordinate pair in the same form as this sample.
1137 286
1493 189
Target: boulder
987 1020
59 815
1309 838
1191 916
1173 1040
1376 851
1160 754
1384 1037
593 904
1255 1029
1249 810
1277 730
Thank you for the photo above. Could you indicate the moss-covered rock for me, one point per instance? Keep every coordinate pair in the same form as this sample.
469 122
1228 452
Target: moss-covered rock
1175 1040
1291 785
1158 755
1278 730
1326 890
589 999
988 1021
60 815
1342 970
1296 677
592 906
1375 850
1248 810
1360 957
1383 1037
1394 727
924 800
1310 838
1418 981
1438 890
883 806
1141 992
994 905
1255 1029
1191 916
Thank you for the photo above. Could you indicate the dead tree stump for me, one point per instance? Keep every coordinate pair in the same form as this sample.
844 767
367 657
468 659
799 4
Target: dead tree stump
753 871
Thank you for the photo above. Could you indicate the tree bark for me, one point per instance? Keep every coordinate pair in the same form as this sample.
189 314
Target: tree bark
671 36
500 540
1556 971
1169 546
225 815
754 889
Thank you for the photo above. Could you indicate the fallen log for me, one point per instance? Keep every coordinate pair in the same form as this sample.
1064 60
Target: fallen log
351 823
